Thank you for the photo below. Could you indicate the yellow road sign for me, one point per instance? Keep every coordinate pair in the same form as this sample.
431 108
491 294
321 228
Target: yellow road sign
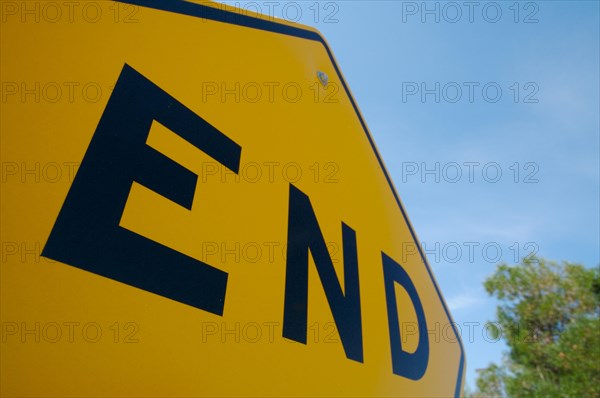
192 205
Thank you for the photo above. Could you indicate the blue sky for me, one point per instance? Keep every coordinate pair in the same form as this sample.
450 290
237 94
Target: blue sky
545 124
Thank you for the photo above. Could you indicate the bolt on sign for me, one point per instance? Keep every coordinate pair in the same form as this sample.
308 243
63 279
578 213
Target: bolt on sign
192 205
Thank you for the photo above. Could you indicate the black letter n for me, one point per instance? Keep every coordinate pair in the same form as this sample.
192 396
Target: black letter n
304 234
87 234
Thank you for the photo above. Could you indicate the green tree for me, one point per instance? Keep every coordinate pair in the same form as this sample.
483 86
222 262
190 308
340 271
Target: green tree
549 315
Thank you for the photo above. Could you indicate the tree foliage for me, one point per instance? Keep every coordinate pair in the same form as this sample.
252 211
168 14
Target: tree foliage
549 316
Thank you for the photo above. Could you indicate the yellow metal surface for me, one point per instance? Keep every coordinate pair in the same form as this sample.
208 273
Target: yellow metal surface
70 332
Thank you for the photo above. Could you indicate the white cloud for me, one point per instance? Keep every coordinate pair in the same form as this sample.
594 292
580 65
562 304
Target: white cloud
465 301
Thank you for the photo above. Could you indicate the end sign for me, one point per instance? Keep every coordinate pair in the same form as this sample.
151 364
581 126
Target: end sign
221 168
